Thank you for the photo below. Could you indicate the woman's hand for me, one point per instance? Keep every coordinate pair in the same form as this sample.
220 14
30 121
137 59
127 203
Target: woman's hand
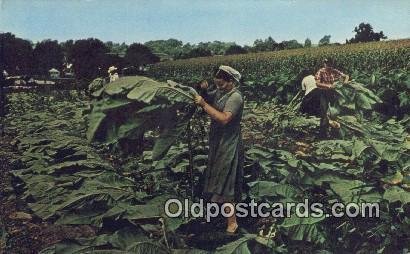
199 100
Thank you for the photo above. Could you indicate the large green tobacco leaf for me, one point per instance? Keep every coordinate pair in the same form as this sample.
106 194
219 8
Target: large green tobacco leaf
239 246
390 151
147 247
72 196
359 146
81 218
150 90
133 105
361 89
304 229
262 155
175 155
69 167
172 126
125 84
258 152
262 189
190 251
330 148
386 151
322 178
353 98
404 98
96 87
107 117
353 191
126 240
396 193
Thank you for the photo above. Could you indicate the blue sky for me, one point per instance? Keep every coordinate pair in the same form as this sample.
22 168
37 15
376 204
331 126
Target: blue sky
196 20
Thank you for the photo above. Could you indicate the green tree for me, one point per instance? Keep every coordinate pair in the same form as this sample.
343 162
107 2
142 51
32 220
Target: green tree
67 46
268 44
184 51
193 52
216 47
89 58
116 48
365 33
198 52
248 48
258 45
138 55
292 44
235 49
324 41
308 43
17 54
170 47
48 54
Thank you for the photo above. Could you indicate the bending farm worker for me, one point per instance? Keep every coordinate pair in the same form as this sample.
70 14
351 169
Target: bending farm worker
224 175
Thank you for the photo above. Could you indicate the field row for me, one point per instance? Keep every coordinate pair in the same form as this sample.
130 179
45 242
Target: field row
366 57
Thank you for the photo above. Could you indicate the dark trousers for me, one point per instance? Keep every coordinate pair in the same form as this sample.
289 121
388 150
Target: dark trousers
316 103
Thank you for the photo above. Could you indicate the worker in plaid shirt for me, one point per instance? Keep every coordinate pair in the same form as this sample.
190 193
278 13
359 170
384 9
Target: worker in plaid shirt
327 75
319 92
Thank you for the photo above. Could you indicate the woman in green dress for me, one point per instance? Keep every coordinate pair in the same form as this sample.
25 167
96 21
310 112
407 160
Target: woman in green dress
224 174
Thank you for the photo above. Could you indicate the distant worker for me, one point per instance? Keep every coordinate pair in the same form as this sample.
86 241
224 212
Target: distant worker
319 92
112 73
224 174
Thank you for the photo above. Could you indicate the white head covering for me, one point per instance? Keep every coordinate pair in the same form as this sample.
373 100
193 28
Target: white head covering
111 69
231 71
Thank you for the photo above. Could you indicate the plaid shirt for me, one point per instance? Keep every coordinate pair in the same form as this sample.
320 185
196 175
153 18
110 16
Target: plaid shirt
328 75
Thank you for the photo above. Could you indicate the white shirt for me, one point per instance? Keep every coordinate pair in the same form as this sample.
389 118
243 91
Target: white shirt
113 77
308 84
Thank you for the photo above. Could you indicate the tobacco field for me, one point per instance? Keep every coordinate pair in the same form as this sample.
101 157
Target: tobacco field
89 172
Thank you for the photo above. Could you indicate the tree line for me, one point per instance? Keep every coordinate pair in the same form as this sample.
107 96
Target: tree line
91 57
88 58
177 50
